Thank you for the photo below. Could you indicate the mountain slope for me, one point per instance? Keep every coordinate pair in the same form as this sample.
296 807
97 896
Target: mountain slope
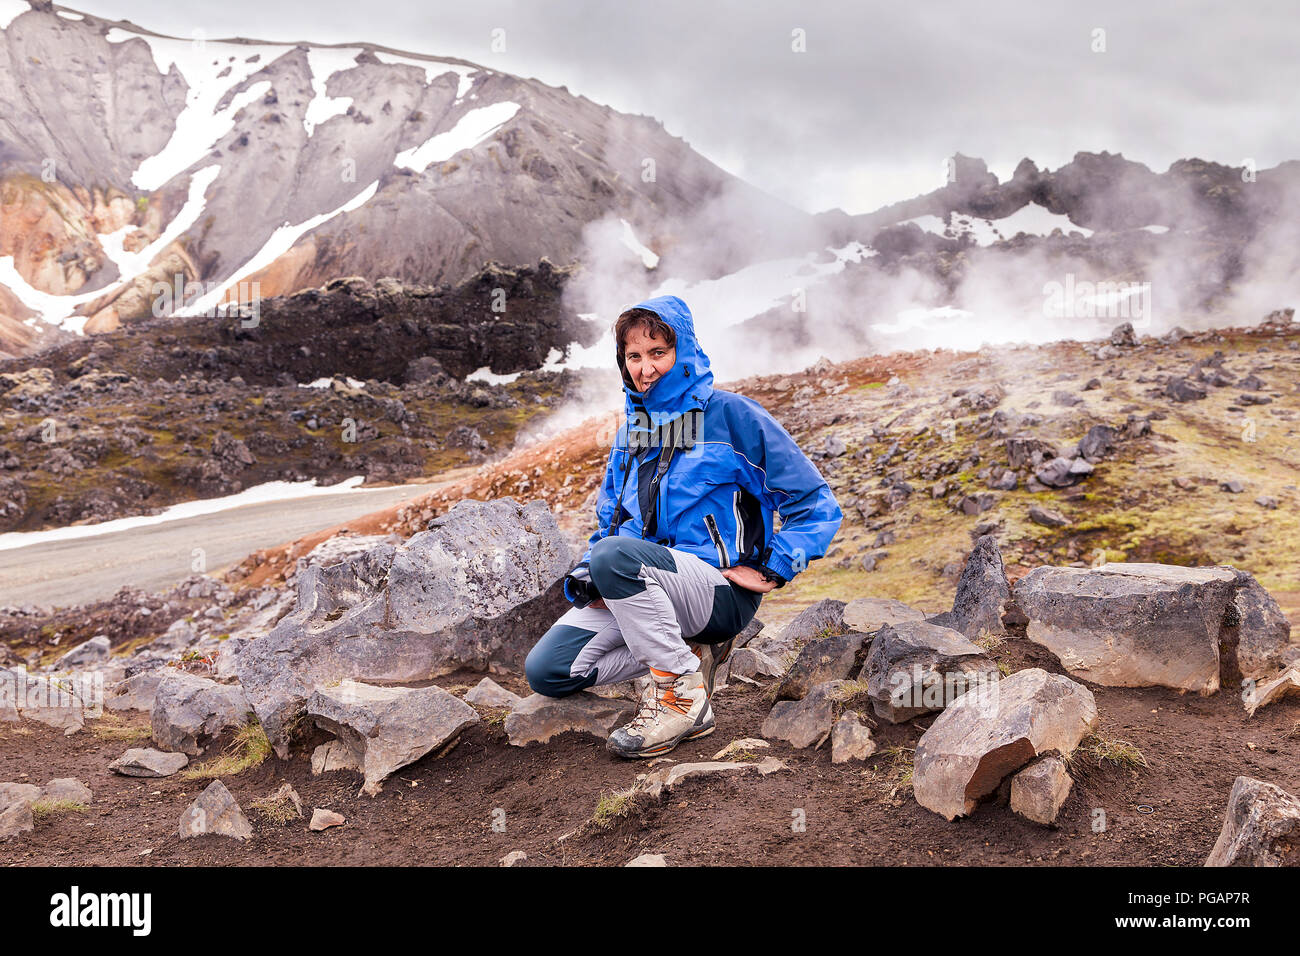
140 157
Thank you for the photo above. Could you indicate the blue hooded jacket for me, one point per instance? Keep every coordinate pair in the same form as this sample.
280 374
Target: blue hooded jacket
732 469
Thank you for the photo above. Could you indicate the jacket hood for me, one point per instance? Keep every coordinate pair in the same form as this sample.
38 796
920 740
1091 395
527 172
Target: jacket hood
687 385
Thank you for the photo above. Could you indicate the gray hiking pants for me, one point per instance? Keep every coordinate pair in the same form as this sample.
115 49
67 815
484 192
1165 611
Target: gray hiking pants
656 598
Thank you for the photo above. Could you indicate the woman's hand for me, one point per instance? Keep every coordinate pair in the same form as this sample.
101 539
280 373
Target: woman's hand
748 578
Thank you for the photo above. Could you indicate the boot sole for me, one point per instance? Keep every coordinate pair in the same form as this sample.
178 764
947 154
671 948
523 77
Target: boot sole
663 748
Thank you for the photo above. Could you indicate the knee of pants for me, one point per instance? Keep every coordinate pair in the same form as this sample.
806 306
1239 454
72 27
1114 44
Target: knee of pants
548 674
616 564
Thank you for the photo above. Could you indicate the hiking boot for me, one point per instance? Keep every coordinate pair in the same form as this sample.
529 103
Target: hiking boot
711 657
674 708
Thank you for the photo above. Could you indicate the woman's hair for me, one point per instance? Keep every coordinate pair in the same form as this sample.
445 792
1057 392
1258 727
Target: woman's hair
639 318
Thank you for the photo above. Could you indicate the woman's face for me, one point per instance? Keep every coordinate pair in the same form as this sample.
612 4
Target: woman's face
647 359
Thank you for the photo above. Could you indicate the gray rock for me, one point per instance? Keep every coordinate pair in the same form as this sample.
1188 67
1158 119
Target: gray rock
748 663
488 693
916 667
1098 443
821 660
148 762
1123 335
137 692
476 590
387 728
817 620
516 857
982 592
536 719
1233 486
983 737
188 708
93 651
16 819
1040 790
665 778
851 740
1134 625
1063 472
1267 501
1181 389
13 792
1047 517
68 789
54 701
215 813
869 614
801 723
333 755
1263 632
1023 451
648 859
1261 827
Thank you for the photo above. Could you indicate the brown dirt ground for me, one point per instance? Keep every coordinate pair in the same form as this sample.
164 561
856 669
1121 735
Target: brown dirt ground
440 810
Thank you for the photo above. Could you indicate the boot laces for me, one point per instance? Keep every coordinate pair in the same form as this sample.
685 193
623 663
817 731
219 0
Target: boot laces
656 699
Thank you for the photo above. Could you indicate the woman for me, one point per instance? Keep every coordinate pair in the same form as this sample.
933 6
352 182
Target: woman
684 547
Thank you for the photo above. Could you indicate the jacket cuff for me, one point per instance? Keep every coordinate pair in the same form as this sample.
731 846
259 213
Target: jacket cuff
780 568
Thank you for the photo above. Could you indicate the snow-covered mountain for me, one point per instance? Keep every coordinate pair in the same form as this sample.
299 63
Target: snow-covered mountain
127 157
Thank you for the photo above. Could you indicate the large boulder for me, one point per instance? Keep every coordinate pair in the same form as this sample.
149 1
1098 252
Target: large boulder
476 590
803 723
823 659
869 614
1138 625
822 619
982 593
59 702
188 709
386 728
1263 632
984 737
1260 828
916 667
537 718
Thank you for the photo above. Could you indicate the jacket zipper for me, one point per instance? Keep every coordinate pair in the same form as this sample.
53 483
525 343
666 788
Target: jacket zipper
740 525
723 559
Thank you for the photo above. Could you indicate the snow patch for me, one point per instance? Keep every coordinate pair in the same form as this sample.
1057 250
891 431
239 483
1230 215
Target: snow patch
270 491
69 15
199 125
1031 218
10 10
487 376
1158 230
131 264
472 128
648 258
279 243
324 64
329 380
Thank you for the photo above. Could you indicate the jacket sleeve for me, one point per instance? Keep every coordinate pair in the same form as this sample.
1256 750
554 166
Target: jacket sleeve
777 472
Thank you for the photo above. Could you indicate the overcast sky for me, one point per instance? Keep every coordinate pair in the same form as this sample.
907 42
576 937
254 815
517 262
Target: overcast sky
884 91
